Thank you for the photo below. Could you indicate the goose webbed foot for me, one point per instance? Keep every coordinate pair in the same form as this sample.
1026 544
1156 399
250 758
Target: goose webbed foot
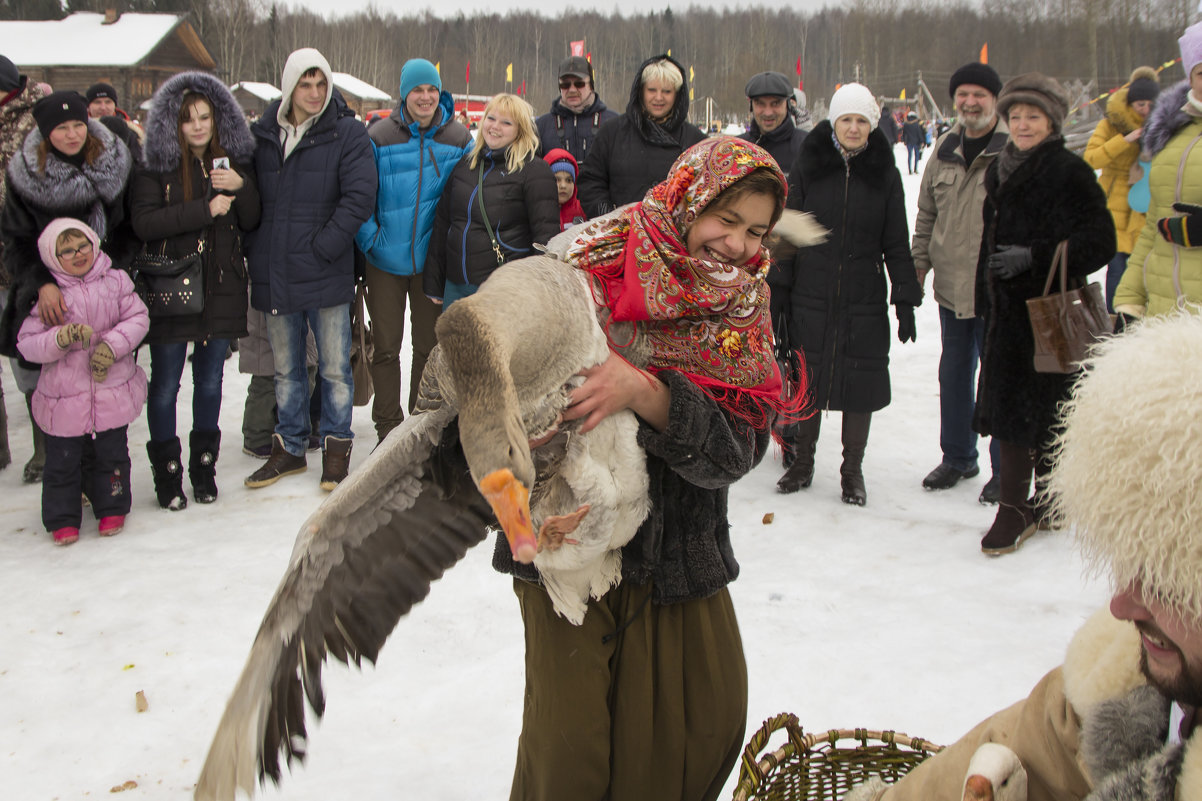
553 533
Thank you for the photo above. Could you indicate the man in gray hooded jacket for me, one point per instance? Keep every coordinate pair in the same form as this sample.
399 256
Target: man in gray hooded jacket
317 181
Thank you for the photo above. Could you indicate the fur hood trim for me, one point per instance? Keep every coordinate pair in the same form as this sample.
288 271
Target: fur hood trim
820 157
1126 472
1120 114
1166 119
161 152
63 187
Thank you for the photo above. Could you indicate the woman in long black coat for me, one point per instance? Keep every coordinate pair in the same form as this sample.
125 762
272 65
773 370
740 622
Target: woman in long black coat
1037 195
196 190
834 297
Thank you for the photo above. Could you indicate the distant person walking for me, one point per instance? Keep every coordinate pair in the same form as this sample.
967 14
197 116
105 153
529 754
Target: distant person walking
915 139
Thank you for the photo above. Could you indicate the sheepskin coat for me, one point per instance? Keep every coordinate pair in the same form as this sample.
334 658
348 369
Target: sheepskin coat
683 547
631 154
1051 197
174 225
1092 729
94 193
68 402
16 121
834 296
1109 151
1161 276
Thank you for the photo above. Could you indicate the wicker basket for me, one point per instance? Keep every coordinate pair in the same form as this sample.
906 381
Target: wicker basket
823 767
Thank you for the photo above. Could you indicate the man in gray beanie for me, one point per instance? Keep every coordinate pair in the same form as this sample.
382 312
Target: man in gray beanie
947 237
1119 719
772 126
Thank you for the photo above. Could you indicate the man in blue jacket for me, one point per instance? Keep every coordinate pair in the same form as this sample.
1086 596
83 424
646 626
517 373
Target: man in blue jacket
317 182
415 149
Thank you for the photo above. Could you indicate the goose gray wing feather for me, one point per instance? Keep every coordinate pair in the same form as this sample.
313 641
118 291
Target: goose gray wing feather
361 562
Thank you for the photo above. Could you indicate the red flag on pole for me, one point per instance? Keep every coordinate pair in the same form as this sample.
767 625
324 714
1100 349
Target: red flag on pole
799 66
578 48
467 73
985 53
589 57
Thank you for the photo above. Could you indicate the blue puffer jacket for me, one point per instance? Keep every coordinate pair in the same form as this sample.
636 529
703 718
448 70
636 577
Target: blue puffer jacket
414 167
302 255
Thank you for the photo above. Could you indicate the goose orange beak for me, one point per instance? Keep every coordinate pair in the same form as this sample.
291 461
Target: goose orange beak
510 502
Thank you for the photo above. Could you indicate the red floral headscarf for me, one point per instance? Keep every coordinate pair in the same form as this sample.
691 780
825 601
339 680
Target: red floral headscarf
705 318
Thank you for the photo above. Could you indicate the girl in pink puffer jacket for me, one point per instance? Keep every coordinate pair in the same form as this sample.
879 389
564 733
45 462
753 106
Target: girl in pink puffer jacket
90 389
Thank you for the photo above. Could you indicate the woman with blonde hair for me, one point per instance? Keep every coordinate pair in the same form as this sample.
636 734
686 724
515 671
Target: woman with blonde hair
498 203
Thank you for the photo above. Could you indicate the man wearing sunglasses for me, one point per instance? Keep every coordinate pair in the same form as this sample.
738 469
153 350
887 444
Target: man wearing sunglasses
576 114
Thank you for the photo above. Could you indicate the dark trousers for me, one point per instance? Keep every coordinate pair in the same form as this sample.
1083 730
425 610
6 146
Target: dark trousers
656 713
913 154
1114 273
99 465
963 342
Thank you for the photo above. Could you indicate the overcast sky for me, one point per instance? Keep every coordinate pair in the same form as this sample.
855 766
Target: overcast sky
449 8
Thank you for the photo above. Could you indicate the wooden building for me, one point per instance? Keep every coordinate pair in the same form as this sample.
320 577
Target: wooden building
361 96
135 53
254 97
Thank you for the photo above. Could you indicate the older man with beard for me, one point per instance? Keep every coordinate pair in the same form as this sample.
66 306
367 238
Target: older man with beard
947 242
1118 720
576 114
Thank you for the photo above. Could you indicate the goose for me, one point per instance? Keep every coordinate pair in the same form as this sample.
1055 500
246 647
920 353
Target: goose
496 384
995 773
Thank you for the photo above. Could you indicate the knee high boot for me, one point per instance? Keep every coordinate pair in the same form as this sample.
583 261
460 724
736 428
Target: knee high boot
855 442
6 456
203 447
1014 522
168 473
32 474
805 442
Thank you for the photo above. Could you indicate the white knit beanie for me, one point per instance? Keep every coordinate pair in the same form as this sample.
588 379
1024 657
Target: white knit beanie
1127 471
854 98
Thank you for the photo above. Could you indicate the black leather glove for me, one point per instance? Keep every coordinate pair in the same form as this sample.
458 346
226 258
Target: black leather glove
1186 230
1123 321
1010 260
906 331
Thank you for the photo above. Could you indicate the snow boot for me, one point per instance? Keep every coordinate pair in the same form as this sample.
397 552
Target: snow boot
855 442
66 535
32 473
281 463
800 473
335 462
168 473
113 524
1014 522
203 447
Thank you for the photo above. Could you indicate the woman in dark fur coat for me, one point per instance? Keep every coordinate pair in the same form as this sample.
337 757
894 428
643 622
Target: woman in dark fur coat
182 201
833 296
1037 195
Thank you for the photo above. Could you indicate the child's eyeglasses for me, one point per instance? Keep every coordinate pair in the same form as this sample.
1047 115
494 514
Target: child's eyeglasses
82 250
570 84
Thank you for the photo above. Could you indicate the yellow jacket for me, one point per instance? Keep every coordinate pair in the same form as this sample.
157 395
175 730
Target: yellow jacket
1111 153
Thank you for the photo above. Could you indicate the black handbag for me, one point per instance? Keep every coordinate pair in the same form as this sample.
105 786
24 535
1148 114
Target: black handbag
171 287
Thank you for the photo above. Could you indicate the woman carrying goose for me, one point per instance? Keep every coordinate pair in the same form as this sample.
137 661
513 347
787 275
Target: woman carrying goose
195 191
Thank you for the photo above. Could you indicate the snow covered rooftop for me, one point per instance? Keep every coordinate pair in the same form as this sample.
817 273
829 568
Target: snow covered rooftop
264 91
82 40
351 85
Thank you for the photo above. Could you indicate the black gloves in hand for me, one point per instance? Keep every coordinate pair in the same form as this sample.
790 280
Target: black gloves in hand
1010 260
1123 321
1186 230
906 331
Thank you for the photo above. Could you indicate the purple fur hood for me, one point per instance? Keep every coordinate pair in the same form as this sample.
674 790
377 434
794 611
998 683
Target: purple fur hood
160 151
1166 119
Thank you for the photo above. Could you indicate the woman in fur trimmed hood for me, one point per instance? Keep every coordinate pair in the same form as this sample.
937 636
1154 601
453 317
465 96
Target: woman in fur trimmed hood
1114 149
68 166
1166 262
194 191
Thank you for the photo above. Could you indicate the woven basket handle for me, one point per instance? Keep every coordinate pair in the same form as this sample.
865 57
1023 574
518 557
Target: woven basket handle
758 741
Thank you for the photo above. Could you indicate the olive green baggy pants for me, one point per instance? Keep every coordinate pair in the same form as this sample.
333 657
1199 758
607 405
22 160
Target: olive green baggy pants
657 712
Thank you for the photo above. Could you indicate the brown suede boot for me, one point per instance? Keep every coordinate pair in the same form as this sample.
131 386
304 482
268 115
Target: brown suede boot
335 462
1014 522
281 463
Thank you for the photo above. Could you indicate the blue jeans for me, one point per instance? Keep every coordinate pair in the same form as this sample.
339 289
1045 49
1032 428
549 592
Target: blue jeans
913 154
166 368
332 331
963 341
1114 272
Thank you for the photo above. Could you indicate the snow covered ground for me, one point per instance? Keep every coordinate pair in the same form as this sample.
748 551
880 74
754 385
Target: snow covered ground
886 616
